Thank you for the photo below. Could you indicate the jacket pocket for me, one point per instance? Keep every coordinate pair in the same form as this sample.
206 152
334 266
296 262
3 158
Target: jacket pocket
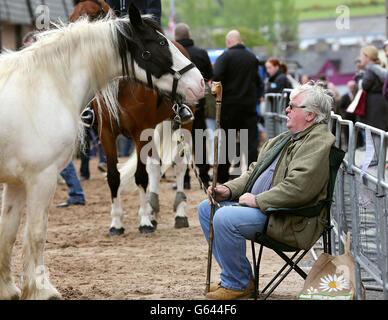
299 223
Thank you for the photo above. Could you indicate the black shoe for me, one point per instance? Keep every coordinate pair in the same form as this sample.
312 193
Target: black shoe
81 178
70 203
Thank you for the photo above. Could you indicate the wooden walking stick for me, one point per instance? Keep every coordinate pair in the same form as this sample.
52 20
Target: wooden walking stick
216 89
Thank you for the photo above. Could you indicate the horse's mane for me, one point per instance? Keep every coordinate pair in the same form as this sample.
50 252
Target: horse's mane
51 52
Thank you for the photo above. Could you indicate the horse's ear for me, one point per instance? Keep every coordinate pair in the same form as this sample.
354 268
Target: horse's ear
134 15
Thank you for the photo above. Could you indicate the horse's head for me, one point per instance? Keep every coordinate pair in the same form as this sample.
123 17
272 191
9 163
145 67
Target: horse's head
91 8
156 60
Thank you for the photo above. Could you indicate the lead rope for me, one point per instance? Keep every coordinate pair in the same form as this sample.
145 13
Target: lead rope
186 152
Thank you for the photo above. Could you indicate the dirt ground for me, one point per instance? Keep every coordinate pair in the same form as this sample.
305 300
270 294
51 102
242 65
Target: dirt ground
85 262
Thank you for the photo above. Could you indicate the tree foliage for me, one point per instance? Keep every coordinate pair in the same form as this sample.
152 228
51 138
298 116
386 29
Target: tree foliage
259 17
250 38
288 21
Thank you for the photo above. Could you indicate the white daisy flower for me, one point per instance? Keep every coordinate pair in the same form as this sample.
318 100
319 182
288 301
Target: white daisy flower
312 290
333 283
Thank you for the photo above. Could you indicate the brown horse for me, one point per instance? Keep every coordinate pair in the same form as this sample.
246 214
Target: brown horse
141 108
90 8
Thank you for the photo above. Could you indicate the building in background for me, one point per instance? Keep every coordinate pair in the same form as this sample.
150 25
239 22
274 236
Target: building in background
17 17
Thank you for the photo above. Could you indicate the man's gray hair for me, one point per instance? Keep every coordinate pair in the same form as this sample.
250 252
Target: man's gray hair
182 31
316 98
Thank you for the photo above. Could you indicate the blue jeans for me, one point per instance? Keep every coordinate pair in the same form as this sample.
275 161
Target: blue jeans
232 226
76 194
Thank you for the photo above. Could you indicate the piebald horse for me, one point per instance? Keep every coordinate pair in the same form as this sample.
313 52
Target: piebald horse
141 108
42 90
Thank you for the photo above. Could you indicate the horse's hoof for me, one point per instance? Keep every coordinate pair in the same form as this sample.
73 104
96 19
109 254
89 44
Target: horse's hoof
154 223
116 232
181 222
146 229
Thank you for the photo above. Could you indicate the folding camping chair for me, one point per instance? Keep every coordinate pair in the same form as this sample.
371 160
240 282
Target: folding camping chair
335 159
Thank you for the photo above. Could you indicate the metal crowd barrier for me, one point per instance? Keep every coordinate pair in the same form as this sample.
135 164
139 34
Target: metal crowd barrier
360 203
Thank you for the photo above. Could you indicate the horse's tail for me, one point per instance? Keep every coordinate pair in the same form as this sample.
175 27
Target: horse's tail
164 145
169 148
127 174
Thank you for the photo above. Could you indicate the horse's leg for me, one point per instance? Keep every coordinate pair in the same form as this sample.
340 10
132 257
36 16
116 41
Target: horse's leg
181 220
14 200
113 176
153 171
40 191
148 204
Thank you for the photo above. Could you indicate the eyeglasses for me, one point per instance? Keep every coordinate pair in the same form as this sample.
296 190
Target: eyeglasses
292 106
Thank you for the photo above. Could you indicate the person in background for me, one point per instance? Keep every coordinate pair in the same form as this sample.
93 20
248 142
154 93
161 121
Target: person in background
154 7
376 107
290 78
277 80
91 137
330 86
343 104
237 70
385 87
305 78
29 38
201 60
76 193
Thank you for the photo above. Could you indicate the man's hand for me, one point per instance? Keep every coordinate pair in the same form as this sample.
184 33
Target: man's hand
248 200
222 193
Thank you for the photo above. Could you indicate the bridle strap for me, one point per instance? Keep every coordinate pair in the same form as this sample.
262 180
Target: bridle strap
177 75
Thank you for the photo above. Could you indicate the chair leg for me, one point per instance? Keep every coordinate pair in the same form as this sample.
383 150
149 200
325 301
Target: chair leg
292 266
256 268
279 272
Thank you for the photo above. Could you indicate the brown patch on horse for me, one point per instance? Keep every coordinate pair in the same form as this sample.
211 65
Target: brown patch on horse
89 8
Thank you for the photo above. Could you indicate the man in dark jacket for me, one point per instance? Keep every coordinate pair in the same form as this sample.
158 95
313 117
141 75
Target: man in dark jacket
237 69
153 7
201 59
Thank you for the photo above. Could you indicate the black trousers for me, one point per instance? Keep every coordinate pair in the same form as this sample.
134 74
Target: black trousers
199 147
237 117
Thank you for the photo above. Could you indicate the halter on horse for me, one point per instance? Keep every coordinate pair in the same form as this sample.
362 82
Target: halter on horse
48 113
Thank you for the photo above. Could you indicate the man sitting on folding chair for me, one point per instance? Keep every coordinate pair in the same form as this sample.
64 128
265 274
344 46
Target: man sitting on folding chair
292 171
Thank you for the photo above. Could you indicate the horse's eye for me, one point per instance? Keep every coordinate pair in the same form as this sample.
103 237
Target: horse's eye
163 43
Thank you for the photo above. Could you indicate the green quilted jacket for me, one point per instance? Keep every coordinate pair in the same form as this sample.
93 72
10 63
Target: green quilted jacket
300 180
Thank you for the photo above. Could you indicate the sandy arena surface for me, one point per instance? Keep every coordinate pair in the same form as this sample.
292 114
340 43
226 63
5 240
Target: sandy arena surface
85 262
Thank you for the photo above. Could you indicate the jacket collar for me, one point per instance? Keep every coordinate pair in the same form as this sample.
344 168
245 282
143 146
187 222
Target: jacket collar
186 42
301 134
237 46
275 75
